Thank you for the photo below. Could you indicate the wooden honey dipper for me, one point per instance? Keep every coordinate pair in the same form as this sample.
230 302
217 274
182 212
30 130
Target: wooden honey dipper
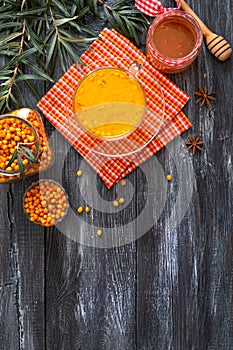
217 45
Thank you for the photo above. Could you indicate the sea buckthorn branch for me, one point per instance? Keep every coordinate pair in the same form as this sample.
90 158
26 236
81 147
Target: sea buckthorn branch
11 81
125 18
36 35
17 43
61 41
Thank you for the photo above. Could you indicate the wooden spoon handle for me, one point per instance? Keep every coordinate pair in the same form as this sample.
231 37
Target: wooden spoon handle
205 30
217 45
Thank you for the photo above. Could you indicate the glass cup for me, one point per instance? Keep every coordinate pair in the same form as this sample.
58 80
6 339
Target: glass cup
111 112
174 40
109 102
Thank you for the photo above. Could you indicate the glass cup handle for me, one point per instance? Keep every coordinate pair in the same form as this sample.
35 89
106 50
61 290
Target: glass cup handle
134 68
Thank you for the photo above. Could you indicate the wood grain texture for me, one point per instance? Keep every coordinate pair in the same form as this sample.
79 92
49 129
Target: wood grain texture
171 288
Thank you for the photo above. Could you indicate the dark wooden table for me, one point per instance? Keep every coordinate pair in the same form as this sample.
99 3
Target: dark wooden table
169 289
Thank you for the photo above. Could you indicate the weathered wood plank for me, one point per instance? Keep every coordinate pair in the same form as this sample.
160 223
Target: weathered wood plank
9 335
22 267
90 300
180 305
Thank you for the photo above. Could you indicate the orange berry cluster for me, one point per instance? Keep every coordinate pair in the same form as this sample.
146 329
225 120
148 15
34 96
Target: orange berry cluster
12 132
45 203
45 155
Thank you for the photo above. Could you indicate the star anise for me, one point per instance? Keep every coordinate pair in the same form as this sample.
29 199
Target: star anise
204 97
194 144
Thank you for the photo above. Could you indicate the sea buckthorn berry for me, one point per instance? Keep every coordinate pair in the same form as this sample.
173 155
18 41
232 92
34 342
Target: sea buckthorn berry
99 233
123 182
169 177
36 123
115 203
25 162
87 209
80 209
121 200
79 172
31 138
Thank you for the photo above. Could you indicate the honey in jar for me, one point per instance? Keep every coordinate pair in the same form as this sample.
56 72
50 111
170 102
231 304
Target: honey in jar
173 42
174 38
109 103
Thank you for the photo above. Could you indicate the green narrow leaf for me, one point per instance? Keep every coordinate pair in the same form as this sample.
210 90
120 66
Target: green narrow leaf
12 97
14 25
48 35
61 7
71 39
135 25
60 55
2 106
21 167
22 5
83 12
82 28
33 90
5 8
116 4
26 152
132 31
34 11
23 77
25 54
39 26
61 21
108 16
142 21
117 19
3 94
3 78
129 11
76 26
6 71
14 155
10 37
7 52
79 3
34 39
53 62
50 50
75 57
119 23
37 70
73 9
93 7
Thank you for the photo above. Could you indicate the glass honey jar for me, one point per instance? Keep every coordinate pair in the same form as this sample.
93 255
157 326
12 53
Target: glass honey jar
174 40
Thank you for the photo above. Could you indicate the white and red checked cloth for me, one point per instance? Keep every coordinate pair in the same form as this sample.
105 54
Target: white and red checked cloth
111 49
154 7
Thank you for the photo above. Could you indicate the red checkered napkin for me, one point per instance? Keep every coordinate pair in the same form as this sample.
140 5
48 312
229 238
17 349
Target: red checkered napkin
154 7
113 49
